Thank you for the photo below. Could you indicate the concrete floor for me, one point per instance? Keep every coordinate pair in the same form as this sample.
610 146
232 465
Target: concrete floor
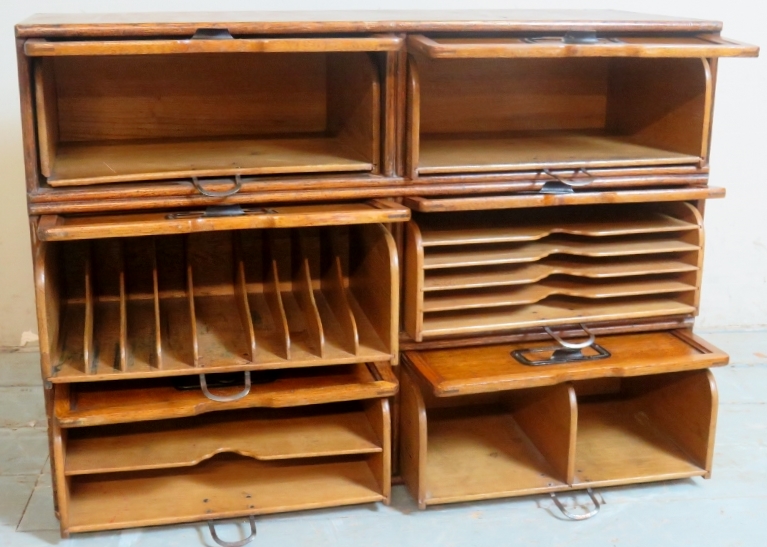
724 511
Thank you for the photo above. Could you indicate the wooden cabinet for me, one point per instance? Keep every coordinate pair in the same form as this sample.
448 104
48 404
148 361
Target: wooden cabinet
240 225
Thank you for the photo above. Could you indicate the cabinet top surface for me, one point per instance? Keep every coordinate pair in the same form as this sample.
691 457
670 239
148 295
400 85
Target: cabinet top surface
148 24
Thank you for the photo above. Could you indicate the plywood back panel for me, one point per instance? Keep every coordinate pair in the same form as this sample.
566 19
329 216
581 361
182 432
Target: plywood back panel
487 95
187 96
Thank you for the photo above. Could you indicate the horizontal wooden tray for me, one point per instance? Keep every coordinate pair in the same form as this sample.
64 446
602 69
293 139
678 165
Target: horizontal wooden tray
220 488
263 434
100 403
547 150
492 368
554 46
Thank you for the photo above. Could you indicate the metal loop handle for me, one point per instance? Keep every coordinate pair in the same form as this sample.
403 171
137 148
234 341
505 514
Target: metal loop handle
240 543
573 345
572 182
582 516
219 398
226 193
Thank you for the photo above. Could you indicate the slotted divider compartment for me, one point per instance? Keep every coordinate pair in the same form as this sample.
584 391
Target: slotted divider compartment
491 115
224 301
119 118
302 439
489 271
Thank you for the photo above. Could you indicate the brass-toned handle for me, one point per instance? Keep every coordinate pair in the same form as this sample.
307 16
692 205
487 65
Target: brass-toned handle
240 543
226 193
222 399
582 516
573 345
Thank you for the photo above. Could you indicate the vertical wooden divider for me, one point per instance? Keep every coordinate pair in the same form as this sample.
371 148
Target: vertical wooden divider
549 417
190 299
377 411
241 293
304 292
334 290
413 438
123 349
271 276
157 317
88 353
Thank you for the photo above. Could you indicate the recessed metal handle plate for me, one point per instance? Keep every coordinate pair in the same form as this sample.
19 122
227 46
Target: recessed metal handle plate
559 355
240 543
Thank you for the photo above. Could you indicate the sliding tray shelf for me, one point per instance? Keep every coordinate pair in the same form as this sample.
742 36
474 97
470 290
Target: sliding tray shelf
212 295
145 110
327 445
507 103
482 272
479 424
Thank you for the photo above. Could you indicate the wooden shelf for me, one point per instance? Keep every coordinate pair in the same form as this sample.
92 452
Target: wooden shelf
493 368
87 163
499 276
441 154
332 430
100 403
554 311
224 487
477 453
534 293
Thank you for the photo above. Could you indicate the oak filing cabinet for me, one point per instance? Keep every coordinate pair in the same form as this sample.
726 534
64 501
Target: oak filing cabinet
250 232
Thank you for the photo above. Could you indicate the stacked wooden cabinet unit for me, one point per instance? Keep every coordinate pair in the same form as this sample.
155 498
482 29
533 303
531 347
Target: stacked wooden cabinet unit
219 209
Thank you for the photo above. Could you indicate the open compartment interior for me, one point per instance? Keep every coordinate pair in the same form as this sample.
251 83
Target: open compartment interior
117 118
484 115
226 464
486 446
487 271
221 300
655 427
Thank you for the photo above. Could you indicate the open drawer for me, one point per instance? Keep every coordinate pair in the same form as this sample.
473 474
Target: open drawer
211 106
521 103
482 272
144 457
122 304
558 437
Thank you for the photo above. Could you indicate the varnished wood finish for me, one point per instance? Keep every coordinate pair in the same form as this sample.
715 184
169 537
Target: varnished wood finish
480 122
492 368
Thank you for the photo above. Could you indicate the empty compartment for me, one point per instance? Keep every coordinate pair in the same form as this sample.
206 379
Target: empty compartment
646 428
490 271
117 118
221 300
485 446
529 114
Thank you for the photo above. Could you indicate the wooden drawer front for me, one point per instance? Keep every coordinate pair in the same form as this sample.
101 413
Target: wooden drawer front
227 463
482 272
561 437
124 117
497 115
123 307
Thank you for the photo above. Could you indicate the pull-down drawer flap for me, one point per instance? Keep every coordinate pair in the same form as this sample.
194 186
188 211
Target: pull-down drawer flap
63 228
210 42
580 44
494 368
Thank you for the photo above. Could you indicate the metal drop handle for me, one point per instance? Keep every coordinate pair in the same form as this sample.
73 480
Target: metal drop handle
226 193
572 181
240 543
573 345
582 516
221 399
